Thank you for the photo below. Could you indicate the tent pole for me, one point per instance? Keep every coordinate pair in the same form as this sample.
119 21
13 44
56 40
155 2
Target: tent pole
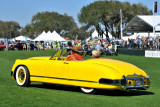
121 24
153 19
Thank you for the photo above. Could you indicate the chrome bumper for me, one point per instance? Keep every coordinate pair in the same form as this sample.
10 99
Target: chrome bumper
139 83
12 75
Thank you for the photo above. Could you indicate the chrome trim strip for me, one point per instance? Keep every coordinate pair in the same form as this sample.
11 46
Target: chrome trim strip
138 86
134 75
64 79
136 78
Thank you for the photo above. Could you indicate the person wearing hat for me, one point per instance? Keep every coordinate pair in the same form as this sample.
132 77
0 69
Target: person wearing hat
75 54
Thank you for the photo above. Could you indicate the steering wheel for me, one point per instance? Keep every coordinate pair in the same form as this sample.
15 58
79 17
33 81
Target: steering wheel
58 58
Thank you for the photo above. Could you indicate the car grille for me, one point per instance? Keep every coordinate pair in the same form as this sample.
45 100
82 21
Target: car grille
134 82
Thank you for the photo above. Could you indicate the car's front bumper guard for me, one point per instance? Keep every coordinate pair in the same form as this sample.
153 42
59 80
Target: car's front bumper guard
12 75
142 86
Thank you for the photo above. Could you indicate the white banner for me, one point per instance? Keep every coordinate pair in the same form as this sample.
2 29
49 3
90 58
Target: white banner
155 54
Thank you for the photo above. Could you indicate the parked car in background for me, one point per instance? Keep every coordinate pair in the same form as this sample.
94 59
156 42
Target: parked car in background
2 47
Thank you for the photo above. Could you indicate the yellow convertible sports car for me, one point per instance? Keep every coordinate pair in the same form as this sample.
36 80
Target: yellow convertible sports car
91 74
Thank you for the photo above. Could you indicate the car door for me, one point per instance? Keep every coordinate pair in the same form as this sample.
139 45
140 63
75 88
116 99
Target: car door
56 71
82 74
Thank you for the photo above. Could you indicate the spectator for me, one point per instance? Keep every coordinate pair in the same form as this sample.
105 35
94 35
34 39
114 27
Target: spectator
28 46
6 44
24 46
70 44
58 45
40 46
98 47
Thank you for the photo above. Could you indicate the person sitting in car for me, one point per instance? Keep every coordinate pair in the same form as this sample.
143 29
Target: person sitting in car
96 53
75 54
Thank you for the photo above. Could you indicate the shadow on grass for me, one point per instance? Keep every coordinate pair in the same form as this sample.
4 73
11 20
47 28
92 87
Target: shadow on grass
98 92
56 87
123 93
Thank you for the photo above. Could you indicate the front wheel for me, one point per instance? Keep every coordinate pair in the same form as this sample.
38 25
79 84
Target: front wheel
23 76
88 90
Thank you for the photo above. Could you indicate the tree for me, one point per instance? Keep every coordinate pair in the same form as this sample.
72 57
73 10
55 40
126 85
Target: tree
9 29
28 31
104 15
50 21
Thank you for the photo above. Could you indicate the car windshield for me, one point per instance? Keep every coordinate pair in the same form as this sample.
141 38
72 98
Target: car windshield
65 53
62 53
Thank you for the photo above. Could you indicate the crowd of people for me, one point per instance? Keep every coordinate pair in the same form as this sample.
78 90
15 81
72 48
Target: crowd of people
96 44
89 46
141 43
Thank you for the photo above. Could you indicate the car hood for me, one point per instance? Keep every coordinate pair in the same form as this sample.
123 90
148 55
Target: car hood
123 68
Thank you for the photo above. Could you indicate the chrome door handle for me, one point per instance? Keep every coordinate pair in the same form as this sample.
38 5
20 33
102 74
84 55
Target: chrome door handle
66 63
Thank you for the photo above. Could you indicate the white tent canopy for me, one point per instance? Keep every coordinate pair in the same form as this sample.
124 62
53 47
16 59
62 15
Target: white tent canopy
104 37
49 37
153 21
95 35
23 38
49 33
40 37
143 23
57 36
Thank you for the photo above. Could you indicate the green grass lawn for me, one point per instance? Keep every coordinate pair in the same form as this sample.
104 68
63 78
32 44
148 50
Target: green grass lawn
40 95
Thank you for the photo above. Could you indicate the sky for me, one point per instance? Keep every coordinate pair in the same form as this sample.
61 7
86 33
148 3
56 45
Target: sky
22 11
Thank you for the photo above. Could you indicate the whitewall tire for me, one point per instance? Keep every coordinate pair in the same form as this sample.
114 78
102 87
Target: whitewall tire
22 76
87 90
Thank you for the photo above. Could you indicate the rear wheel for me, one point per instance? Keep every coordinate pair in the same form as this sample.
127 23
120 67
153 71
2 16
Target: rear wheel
88 90
23 76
